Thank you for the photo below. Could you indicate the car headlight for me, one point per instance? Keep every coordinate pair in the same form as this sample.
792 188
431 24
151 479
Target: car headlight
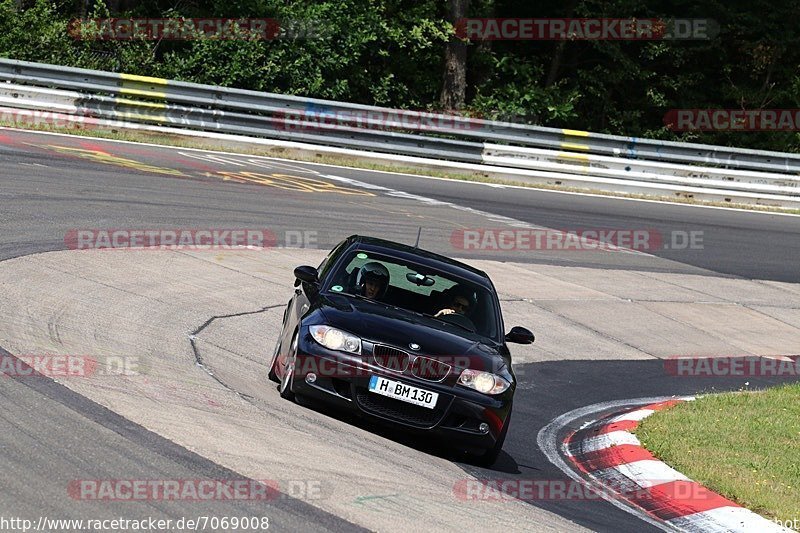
334 339
484 382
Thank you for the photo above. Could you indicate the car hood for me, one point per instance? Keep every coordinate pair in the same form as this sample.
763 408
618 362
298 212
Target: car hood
379 323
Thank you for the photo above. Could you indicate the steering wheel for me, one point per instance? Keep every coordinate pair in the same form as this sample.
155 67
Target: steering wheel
459 320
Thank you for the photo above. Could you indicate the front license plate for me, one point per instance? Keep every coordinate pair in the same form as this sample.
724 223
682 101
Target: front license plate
403 392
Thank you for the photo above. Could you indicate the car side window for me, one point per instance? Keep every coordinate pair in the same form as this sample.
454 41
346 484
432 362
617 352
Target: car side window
326 263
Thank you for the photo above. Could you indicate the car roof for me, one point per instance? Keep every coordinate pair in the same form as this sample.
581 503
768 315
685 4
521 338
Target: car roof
422 257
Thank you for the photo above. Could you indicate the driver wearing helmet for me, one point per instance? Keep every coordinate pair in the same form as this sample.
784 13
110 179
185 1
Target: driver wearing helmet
372 281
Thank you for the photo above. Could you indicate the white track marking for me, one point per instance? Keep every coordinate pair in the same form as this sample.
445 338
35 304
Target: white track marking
263 164
418 176
240 160
214 159
285 166
499 219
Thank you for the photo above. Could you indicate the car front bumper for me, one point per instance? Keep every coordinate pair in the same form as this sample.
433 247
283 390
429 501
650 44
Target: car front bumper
342 380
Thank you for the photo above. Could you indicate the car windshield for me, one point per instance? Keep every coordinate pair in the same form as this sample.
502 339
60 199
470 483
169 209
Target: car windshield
454 302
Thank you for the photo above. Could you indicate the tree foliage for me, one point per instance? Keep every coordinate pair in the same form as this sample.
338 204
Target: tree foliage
392 53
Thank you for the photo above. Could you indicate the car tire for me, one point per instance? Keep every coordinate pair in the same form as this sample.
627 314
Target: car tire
287 379
489 457
271 374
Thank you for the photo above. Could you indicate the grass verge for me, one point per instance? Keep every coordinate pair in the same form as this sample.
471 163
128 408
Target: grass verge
181 141
743 445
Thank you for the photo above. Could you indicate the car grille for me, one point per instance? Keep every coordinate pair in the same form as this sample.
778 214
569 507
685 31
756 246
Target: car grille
430 369
390 358
401 411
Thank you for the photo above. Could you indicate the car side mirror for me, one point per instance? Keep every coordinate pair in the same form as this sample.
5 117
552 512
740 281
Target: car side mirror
520 335
305 274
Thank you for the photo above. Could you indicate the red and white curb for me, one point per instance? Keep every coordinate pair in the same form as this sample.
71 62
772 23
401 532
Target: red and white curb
608 453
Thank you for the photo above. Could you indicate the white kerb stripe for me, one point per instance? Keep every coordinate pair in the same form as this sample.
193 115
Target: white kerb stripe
607 440
645 474
635 416
725 519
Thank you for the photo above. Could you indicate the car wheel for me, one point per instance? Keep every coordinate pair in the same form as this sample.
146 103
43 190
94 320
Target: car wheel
288 372
489 457
271 374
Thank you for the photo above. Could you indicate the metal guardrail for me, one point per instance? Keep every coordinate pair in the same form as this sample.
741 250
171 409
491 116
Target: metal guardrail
224 121
611 167
123 97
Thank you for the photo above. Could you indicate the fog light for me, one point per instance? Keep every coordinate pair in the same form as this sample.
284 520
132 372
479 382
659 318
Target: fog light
484 427
311 377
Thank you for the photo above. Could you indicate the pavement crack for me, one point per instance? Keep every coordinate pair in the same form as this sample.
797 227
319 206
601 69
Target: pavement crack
593 330
762 313
789 287
199 359
102 284
691 289
226 267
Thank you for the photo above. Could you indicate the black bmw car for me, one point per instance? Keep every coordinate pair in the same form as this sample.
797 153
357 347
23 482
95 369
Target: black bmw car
402 336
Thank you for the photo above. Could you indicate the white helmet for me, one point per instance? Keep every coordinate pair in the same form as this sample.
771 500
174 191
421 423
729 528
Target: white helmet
372 272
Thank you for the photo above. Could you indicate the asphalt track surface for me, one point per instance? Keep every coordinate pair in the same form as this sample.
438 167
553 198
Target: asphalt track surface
52 434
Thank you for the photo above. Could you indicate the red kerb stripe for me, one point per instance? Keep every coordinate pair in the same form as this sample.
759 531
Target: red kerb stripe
678 498
624 425
613 456
662 405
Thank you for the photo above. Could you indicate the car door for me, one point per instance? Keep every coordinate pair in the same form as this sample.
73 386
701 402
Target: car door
302 300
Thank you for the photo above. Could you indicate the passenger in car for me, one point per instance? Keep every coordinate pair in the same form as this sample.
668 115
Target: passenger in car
461 303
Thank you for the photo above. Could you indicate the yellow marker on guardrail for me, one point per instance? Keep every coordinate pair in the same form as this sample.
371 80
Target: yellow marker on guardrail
572 157
130 115
132 86
575 133
140 103
574 146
